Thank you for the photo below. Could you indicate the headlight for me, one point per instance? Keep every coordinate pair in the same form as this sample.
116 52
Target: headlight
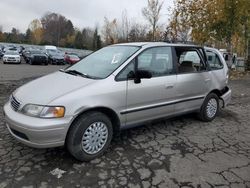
43 111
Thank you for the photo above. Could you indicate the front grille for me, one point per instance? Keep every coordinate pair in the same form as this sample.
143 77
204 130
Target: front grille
14 103
38 58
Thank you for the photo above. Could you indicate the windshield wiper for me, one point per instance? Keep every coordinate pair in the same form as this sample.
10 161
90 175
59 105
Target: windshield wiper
77 73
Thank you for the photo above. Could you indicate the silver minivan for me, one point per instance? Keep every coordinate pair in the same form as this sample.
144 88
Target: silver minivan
114 88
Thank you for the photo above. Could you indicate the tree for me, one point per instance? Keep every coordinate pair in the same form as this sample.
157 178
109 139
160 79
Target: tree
37 31
88 34
152 14
28 36
79 43
56 27
138 33
220 23
13 36
110 31
125 27
96 40
1 34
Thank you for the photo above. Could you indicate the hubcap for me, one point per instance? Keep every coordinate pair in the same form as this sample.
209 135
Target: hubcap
212 108
95 137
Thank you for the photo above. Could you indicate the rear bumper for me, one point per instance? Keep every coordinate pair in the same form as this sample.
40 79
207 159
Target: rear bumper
226 97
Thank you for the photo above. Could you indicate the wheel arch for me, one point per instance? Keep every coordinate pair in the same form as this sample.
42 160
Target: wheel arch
111 114
216 91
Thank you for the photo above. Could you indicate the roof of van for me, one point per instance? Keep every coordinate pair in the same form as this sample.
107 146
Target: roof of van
149 44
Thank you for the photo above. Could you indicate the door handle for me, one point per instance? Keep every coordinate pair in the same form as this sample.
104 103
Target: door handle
169 87
207 79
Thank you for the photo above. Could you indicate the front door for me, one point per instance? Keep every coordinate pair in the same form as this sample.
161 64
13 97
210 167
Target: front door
152 98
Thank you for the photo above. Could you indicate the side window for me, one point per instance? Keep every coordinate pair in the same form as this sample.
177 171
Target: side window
157 60
189 61
214 61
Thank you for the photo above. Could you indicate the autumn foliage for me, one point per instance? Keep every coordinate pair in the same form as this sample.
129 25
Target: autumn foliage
219 23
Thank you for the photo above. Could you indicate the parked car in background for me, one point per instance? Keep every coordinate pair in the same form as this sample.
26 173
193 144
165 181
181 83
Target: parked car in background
36 57
115 88
49 47
227 56
55 57
1 53
11 57
10 48
26 53
71 58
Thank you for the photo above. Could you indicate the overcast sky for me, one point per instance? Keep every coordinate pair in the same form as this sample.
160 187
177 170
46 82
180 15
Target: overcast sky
83 13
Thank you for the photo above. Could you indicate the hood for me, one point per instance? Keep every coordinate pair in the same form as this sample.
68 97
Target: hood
48 88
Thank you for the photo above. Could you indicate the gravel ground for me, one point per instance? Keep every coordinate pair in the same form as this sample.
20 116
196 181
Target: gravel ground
179 152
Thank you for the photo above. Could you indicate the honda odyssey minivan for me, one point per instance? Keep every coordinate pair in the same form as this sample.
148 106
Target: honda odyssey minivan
114 88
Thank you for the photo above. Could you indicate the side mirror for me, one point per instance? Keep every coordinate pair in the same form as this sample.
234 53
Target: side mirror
138 75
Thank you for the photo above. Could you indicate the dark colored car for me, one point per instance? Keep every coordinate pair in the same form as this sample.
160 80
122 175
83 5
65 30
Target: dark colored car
25 54
71 58
36 57
55 57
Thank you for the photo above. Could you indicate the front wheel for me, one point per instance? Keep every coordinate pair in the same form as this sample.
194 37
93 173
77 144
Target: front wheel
210 108
89 136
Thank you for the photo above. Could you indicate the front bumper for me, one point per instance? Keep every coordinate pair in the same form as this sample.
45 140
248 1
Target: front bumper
36 132
12 61
226 96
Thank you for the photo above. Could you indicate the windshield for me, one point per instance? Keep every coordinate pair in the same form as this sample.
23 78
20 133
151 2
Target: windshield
36 52
73 57
11 53
55 53
103 62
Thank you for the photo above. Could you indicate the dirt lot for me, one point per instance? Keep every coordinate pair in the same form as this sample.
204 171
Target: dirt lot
180 152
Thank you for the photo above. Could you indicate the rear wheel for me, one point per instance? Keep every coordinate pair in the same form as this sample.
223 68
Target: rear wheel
89 136
210 108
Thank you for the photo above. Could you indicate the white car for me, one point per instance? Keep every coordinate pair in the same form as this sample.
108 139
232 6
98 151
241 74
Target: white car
11 57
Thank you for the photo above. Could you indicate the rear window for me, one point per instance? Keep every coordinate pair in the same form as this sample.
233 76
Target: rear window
214 60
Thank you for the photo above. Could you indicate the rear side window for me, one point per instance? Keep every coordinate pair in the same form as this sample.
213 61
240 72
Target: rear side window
189 61
214 61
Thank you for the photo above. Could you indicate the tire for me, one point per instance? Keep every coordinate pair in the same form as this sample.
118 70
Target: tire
209 108
81 130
